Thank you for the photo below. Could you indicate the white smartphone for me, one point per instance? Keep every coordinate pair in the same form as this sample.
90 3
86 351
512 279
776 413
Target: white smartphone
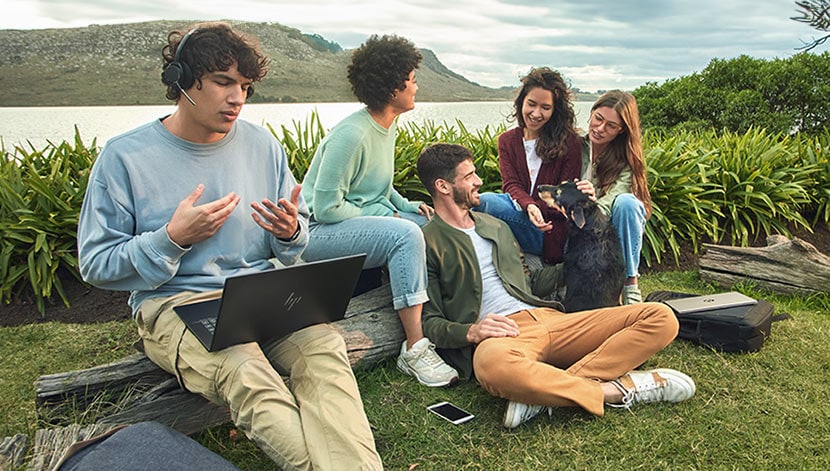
450 412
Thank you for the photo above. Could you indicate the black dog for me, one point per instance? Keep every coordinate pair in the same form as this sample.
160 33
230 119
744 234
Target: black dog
594 266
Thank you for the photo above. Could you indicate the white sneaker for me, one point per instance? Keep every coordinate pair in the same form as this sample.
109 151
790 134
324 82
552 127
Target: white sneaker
425 365
631 295
518 413
660 385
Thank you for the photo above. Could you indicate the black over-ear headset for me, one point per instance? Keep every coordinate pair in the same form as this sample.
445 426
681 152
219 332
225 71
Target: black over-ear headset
178 73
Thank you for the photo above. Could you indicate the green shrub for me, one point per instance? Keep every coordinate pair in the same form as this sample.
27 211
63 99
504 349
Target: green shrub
764 186
815 151
40 196
301 143
704 186
684 199
412 138
781 95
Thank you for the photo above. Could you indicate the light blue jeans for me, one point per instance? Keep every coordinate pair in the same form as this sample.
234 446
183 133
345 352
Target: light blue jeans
628 215
387 241
502 206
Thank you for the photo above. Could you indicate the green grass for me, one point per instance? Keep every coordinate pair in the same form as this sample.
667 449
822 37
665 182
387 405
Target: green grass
766 410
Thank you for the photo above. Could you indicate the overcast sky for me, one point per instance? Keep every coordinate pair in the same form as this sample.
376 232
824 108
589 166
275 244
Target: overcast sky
596 44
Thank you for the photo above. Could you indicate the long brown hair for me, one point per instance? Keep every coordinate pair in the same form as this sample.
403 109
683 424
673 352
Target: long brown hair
625 150
556 133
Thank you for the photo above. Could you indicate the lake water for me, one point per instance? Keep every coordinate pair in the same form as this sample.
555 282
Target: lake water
40 125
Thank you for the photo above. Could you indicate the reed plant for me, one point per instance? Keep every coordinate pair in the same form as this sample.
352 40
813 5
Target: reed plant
815 151
300 142
764 185
41 192
684 197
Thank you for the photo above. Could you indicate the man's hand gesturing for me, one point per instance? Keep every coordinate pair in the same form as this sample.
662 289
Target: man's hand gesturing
279 218
191 224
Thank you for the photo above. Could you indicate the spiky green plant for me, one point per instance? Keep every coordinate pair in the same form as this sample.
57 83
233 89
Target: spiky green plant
41 192
413 137
815 151
300 143
684 200
764 185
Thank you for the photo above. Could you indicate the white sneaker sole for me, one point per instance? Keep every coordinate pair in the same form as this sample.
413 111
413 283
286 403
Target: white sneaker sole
405 369
681 379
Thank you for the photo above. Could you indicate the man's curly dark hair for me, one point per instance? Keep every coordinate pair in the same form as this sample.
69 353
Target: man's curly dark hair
215 46
380 66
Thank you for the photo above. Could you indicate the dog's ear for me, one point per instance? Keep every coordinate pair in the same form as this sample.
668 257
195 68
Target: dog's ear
578 217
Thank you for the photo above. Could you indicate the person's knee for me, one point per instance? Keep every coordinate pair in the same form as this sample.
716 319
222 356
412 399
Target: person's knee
496 204
321 339
492 366
665 320
486 201
410 234
626 205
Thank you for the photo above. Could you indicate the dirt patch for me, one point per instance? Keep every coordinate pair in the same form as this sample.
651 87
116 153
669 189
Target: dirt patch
86 305
92 305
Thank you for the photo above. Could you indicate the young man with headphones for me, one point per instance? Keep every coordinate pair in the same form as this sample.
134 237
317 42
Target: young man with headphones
160 219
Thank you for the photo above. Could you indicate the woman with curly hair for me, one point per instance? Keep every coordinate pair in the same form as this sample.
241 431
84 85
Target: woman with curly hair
355 209
543 149
614 164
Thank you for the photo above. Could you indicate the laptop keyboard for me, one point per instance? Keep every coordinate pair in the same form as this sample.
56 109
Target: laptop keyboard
209 324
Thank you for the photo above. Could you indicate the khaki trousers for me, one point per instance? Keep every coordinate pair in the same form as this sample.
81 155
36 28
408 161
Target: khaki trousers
317 422
559 359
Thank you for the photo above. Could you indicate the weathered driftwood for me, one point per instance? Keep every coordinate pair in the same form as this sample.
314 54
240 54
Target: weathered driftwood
784 266
12 451
51 444
134 389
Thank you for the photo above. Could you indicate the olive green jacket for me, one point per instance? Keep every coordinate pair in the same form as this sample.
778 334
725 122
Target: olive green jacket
454 283
620 186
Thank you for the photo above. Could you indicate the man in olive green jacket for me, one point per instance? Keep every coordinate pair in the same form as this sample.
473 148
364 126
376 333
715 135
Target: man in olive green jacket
485 320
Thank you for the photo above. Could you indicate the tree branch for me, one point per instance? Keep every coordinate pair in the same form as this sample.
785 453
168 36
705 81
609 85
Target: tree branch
815 13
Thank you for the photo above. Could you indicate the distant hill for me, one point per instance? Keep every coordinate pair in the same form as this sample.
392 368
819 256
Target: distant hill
121 65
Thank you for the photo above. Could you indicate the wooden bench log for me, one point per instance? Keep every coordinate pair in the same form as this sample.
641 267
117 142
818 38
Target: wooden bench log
783 266
134 389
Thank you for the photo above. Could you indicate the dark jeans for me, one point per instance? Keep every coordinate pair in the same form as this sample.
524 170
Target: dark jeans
146 446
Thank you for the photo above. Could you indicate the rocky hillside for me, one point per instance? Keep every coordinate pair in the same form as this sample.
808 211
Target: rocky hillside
121 65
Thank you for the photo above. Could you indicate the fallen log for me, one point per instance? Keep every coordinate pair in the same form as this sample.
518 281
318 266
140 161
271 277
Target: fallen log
783 266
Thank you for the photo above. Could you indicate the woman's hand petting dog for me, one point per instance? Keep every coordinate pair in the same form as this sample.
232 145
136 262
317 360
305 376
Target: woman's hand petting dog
586 187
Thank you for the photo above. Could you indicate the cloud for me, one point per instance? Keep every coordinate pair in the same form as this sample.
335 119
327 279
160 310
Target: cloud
595 43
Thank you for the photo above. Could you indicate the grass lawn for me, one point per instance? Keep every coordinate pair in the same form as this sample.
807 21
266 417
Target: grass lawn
767 410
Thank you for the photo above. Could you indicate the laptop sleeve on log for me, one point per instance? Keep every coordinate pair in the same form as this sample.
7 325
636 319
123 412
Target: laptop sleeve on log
733 329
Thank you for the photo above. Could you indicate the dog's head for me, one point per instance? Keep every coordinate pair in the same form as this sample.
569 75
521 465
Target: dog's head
567 199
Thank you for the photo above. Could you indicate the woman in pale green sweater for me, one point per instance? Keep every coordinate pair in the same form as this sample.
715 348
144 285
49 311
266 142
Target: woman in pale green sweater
355 209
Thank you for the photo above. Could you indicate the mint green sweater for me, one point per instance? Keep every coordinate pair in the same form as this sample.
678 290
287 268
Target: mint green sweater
351 172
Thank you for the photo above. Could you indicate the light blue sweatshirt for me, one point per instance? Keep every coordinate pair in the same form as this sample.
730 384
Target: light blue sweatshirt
140 178
352 171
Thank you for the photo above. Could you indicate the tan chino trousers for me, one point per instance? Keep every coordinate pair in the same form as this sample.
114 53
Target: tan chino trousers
317 422
559 359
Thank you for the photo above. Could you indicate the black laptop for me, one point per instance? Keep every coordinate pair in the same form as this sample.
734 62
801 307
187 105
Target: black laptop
266 305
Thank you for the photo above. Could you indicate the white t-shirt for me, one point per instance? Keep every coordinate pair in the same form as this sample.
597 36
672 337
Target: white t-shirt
534 163
494 298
